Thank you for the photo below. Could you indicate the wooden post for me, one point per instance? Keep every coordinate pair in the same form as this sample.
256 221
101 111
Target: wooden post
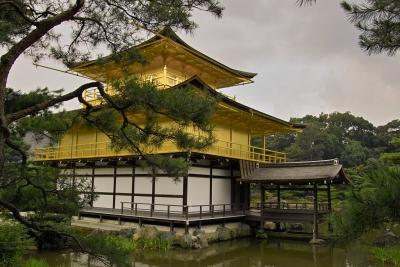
329 205
278 191
278 188
315 221
329 198
262 196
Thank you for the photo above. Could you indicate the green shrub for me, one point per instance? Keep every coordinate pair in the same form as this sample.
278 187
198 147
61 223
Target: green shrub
35 263
387 255
13 242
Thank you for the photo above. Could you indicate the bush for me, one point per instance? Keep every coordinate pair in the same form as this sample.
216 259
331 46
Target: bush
35 263
372 201
387 255
14 240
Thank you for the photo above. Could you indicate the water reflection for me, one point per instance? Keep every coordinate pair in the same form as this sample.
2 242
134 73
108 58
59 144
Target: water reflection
237 253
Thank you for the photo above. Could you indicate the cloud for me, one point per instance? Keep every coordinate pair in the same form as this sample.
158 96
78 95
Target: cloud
307 59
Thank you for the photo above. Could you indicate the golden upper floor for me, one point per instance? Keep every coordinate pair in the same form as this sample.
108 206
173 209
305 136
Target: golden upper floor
168 62
171 63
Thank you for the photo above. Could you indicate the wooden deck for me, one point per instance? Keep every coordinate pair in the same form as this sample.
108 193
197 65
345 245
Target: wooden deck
169 214
184 215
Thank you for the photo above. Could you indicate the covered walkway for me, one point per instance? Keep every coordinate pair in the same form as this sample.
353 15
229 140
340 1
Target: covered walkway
312 176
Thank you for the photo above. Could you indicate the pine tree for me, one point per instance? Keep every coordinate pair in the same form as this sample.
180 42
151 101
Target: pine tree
33 28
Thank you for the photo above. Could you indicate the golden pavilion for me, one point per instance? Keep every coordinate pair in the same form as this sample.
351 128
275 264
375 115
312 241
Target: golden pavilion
217 184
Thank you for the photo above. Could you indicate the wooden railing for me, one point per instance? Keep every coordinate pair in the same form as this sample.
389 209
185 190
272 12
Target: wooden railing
181 211
104 149
323 206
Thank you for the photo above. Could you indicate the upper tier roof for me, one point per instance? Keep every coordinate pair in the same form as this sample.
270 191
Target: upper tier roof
166 48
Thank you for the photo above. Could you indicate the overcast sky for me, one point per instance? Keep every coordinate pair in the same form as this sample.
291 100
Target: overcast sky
307 59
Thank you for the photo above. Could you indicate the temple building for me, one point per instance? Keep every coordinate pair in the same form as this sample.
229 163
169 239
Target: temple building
217 184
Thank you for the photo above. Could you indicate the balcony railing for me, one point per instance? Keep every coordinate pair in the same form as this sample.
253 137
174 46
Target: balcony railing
104 149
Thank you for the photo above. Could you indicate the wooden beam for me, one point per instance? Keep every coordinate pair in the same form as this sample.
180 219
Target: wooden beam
211 189
133 182
92 186
328 190
315 219
262 196
114 183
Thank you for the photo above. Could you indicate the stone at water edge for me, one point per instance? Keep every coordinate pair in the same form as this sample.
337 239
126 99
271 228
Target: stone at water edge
185 241
127 233
148 232
245 230
317 241
387 239
199 239
223 233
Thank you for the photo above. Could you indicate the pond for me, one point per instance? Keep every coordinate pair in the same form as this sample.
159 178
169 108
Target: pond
236 253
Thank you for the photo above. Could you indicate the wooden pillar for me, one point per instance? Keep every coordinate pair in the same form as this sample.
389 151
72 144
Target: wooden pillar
329 197
133 183
328 187
315 221
185 191
211 175
153 191
114 184
262 196
233 188
278 191
92 185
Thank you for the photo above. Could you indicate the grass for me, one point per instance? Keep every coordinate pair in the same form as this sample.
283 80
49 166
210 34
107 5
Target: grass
35 263
387 255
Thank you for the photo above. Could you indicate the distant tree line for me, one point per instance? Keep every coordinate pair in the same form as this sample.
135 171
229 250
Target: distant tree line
352 139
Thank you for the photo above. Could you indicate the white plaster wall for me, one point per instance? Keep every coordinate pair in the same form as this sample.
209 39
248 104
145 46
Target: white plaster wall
222 172
169 201
140 170
221 191
104 171
143 200
103 201
143 185
124 170
103 184
168 186
119 199
66 171
198 192
124 185
87 172
199 170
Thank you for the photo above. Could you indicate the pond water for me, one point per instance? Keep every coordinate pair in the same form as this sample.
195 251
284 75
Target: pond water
236 253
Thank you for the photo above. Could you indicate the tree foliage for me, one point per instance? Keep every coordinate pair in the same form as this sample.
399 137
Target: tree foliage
33 28
337 135
372 201
379 23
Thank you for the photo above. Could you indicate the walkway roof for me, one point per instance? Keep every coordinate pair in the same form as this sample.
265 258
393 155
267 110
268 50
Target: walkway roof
300 173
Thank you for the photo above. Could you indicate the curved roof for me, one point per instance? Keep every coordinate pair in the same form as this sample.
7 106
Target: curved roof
304 172
169 33
196 81
170 37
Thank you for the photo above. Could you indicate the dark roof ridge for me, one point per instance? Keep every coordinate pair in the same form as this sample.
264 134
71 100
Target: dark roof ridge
327 162
169 33
196 79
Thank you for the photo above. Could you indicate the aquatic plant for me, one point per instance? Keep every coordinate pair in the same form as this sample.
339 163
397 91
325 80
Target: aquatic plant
389 255
156 243
261 234
35 263
13 242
